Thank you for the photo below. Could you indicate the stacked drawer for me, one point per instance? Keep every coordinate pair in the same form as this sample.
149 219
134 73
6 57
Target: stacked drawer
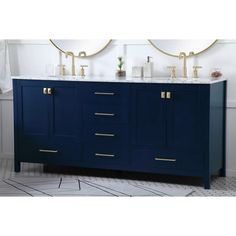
105 119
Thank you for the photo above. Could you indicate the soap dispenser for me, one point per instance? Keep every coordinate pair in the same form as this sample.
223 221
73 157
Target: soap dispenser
148 68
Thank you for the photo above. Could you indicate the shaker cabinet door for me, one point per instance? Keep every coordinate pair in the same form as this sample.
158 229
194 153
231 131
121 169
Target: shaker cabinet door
148 116
33 106
65 111
183 118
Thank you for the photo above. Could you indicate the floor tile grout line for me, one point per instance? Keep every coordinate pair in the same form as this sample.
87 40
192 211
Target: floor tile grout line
99 188
108 188
30 187
17 188
151 191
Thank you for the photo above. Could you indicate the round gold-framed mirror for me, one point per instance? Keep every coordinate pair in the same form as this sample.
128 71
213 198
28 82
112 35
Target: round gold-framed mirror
173 47
81 48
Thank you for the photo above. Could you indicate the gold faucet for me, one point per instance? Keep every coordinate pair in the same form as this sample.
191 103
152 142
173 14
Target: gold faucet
184 56
73 62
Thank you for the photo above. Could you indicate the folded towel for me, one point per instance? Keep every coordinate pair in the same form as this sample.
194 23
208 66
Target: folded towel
5 73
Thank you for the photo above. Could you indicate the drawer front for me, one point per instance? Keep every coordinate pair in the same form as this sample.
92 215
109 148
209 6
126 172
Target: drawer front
103 154
109 93
151 159
109 114
51 153
156 160
107 134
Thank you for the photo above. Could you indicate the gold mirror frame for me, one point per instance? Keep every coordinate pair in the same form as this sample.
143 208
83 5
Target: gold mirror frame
173 55
110 40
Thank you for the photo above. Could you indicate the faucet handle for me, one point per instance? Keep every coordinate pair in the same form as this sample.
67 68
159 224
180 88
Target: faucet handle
172 71
81 73
195 71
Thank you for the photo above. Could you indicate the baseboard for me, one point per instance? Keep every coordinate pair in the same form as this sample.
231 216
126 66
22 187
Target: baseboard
7 155
231 173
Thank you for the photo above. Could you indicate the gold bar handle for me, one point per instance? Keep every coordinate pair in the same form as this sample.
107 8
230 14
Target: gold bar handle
45 91
168 95
48 151
163 94
104 135
102 93
103 114
104 155
164 159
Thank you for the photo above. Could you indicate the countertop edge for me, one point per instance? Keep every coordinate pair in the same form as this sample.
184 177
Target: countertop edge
110 79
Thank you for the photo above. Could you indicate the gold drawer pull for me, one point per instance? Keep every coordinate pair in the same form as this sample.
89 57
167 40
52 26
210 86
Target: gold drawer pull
163 95
104 155
48 151
168 95
103 114
164 159
104 135
102 93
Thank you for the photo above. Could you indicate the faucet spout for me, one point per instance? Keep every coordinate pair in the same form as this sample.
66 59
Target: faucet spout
183 56
72 63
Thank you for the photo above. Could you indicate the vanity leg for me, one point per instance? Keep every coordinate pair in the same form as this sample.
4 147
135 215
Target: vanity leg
17 166
207 182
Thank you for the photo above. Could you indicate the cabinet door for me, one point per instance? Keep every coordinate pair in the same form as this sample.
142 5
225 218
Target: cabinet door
183 118
33 107
148 121
64 111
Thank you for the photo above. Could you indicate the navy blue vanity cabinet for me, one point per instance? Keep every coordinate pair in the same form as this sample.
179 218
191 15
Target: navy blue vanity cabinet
106 125
179 129
47 122
163 128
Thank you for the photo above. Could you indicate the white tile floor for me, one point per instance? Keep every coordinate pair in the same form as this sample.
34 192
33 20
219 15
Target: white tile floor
219 187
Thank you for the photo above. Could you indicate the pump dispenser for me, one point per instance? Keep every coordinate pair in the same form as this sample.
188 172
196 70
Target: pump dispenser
148 68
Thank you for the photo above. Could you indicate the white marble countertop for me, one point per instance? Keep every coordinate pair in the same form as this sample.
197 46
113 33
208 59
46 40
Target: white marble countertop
164 80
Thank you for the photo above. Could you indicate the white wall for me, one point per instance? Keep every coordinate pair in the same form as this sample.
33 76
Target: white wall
30 57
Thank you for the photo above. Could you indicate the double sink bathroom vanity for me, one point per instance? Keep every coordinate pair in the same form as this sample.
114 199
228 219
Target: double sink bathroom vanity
174 127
